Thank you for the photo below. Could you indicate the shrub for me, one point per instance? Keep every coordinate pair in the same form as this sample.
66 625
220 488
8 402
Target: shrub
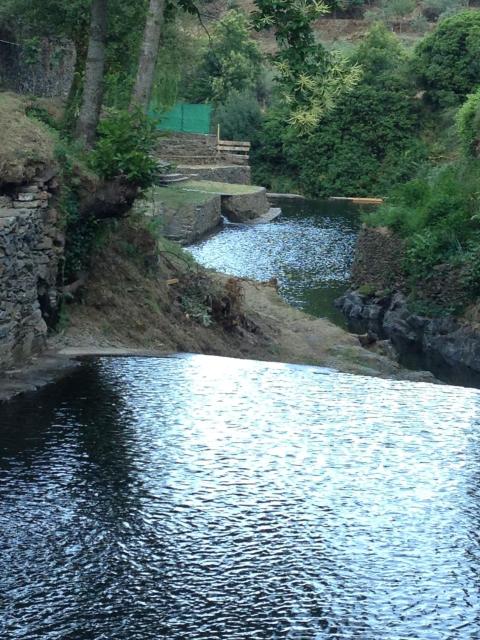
363 147
239 116
432 10
380 53
126 140
468 124
437 214
446 62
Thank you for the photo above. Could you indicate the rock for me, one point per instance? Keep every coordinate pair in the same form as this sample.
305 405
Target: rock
450 348
245 206
32 204
367 339
26 197
28 273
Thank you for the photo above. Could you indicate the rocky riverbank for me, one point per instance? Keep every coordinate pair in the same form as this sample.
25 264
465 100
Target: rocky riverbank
378 309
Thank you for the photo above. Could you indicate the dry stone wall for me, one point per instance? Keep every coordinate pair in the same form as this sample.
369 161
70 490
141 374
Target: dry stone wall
31 251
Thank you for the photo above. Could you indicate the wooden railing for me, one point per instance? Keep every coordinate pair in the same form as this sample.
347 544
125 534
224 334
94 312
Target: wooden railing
238 151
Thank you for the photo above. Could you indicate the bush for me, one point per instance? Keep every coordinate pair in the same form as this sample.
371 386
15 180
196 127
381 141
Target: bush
239 117
367 144
446 62
381 54
438 215
468 125
125 142
435 9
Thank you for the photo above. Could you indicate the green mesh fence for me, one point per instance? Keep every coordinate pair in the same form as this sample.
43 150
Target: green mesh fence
188 118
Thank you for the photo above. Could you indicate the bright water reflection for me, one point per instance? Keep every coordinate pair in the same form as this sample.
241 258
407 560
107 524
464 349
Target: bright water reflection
309 249
207 498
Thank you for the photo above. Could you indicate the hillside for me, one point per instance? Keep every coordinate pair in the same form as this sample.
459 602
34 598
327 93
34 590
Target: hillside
343 29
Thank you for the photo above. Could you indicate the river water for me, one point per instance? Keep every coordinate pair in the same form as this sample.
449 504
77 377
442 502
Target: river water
309 249
203 498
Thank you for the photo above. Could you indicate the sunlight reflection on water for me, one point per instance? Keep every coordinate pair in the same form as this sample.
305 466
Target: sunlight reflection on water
309 249
200 497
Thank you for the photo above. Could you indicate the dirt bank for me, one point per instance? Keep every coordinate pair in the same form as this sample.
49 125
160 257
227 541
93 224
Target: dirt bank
154 298
145 296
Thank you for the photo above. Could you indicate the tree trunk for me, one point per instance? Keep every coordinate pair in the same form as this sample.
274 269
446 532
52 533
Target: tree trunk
148 55
94 72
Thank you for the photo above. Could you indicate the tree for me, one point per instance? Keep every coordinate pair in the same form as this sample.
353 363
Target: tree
468 125
446 62
94 74
311 78
232 60
239 116
148 56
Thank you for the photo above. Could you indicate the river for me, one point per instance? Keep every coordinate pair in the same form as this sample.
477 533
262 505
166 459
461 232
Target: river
309 249
206 498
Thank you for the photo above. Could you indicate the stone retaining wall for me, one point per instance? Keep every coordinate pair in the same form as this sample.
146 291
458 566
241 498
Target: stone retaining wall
244 207
31 247
232 174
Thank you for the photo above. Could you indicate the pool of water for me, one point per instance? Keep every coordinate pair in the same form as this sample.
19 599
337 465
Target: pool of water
309 249
206 498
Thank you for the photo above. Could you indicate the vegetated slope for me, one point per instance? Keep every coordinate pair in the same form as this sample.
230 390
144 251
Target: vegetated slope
437 213
343 28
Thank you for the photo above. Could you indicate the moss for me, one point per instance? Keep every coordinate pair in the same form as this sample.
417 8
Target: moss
176 196
367 289
222 188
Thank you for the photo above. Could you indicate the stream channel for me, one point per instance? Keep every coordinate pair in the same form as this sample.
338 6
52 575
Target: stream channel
203 498
309 249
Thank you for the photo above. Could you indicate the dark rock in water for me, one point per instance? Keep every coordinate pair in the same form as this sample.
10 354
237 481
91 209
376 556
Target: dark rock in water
446 346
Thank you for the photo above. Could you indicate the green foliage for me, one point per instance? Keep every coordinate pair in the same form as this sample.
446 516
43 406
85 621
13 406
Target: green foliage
468 124
239 116
232 61
446 62
125 28
81 233
51 18
178 61
380 54
39 112
126 140
434 10
365 143
438 215
397 8
310 78
364 146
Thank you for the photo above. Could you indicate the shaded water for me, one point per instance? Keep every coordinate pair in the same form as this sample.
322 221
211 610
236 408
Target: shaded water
206 498
309 249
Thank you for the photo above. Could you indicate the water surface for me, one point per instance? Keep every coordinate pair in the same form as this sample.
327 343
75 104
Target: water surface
309 249
205 498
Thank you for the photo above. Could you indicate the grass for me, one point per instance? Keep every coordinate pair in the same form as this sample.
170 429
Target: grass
24 142
177 197
222 188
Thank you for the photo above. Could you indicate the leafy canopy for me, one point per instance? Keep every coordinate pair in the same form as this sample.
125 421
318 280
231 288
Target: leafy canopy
311 79
446 62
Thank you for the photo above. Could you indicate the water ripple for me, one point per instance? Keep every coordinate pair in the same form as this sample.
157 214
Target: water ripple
209 498
309 249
